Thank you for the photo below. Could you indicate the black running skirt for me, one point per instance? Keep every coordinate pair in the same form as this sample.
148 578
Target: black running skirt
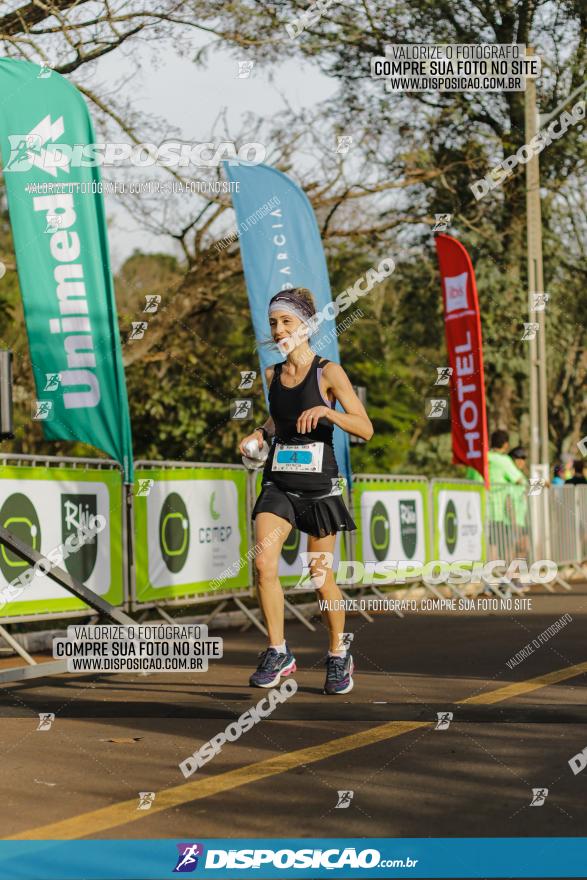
316 517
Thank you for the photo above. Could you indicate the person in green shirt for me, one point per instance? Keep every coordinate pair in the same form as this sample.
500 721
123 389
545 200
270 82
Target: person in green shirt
503 476
520 492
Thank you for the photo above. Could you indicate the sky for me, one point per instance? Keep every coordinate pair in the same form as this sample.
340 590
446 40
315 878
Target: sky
189 98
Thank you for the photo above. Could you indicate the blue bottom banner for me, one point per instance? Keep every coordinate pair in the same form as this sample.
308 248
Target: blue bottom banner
294 857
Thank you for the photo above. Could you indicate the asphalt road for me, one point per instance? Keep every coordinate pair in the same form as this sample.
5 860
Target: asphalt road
513 729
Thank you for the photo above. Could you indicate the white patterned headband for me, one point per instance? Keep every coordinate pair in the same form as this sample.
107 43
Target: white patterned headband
285 301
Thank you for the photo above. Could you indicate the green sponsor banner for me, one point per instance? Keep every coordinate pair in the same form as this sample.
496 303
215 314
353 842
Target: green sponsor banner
61 245
46 506
191 532
458 516
392 520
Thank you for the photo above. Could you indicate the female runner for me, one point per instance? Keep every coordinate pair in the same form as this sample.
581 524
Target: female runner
301 487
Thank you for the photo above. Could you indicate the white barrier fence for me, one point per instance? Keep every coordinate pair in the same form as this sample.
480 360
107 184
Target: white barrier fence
398 517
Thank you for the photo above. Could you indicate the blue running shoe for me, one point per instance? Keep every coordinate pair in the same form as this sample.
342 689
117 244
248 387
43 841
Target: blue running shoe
339 672
272 666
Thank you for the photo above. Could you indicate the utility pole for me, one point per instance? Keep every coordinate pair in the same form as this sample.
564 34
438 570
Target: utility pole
6 420
539 453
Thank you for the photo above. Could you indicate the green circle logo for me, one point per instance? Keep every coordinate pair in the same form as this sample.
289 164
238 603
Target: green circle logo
19 516
291 547
379 531
451 526
174 532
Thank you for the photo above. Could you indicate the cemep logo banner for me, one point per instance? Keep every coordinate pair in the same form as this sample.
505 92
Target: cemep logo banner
61 245
280 249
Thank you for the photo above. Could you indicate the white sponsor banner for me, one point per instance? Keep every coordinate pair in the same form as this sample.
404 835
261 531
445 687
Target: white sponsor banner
460 525
193 530
393 525
43 513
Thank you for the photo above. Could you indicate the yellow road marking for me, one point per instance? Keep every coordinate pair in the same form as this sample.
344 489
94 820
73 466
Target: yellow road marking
126 811
526 687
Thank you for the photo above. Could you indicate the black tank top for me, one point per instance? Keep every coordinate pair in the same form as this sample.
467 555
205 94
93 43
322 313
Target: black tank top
285 406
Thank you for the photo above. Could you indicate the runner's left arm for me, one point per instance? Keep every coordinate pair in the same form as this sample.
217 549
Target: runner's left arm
354 420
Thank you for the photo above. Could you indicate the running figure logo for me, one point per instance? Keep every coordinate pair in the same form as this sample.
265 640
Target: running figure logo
241 409
54 222
146 799
438 408
539 795
187 861
535 485
344 799
314 575
345 142
245 68
46 719
539 301
38 148
530 331
444 374
442 222
444 719
144 487
23 149
138 330
344 641
247 379
42 410
152 301
52 381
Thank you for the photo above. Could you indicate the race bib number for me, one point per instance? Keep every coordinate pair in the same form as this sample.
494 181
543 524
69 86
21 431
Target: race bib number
304 458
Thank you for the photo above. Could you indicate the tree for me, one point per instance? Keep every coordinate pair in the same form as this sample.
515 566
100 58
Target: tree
461 137
412 156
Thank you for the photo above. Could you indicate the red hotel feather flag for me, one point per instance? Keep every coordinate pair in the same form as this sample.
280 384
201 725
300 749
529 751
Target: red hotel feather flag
462 325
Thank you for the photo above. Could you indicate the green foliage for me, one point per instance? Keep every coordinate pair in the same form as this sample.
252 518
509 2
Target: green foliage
430 148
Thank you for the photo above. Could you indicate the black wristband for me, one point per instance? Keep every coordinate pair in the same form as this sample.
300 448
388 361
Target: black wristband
263 432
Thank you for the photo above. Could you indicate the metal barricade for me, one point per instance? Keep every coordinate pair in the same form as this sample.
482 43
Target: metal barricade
40 467
565 539
551 524
509 523
393 523
581 508
568 527
187 596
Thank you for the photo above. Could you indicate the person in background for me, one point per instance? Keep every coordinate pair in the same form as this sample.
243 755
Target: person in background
502 475
501 466
558 480
578 478
519 505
